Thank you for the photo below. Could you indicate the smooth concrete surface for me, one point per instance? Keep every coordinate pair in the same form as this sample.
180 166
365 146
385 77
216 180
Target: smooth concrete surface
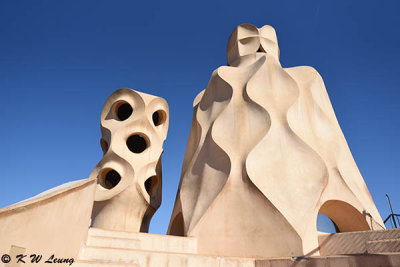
157 259
134 126
84 263
265 155
142 241
56 223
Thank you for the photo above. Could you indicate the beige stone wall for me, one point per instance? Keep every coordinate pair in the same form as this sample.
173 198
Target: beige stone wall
55 223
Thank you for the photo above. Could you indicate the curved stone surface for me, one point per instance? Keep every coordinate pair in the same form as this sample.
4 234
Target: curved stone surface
265 155
134 126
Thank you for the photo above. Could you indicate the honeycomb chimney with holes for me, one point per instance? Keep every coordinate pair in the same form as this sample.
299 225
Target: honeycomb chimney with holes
134 126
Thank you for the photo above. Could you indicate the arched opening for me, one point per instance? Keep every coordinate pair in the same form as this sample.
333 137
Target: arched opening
109 178
137 143
326 225
159 117
344 216
123 110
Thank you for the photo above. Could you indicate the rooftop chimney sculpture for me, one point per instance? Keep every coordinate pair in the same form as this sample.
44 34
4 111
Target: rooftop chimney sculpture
134 126
265 155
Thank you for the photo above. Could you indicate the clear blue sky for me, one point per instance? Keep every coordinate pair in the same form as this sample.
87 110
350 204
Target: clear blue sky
60 60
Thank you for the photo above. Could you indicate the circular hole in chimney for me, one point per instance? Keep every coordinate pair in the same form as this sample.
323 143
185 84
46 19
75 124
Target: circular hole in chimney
104 145
123 110
109 178
159 117
150 185
137 143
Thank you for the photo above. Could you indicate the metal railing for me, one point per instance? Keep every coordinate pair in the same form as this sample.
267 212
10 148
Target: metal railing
392 215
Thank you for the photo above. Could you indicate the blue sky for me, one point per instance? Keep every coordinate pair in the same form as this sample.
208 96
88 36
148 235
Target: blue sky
60 60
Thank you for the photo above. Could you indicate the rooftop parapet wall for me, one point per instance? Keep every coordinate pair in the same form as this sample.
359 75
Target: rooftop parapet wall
54 223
